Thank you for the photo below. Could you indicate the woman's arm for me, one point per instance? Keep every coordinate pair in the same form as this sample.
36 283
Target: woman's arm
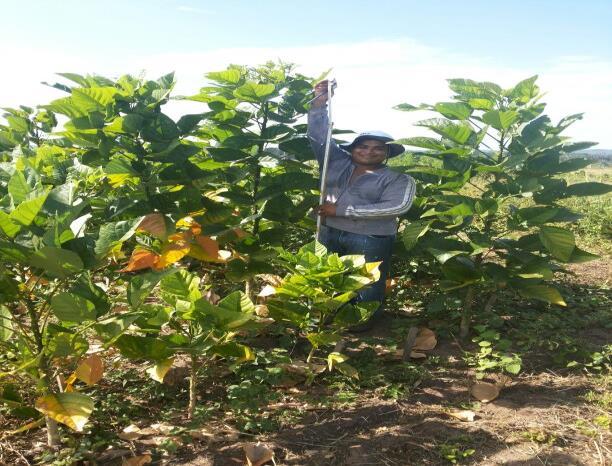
395 200
318 125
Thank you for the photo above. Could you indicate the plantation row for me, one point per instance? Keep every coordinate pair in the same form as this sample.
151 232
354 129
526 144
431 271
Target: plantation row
166 239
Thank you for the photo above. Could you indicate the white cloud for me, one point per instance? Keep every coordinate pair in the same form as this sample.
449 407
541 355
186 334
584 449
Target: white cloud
372 75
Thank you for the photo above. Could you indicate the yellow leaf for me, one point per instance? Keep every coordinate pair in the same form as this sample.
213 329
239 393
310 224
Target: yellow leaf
72 409
159 370
371 268
67 384
90 370
172 253
335 358
120 179
141 259
189 222
154 224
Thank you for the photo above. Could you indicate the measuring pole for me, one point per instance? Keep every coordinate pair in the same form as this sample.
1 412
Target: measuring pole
331 85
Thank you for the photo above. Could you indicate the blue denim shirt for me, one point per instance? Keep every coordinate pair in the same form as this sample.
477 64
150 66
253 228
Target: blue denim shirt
372 203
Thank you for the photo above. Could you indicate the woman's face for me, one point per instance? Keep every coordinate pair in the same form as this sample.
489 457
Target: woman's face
369 152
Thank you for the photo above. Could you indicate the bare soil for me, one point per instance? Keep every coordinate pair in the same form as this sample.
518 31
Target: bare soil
541 417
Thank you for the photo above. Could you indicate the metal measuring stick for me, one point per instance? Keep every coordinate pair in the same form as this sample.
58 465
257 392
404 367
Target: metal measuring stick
331 85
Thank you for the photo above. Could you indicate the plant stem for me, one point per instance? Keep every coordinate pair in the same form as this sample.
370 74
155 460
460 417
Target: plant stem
53 436
466 315
192 386
310 354
490 302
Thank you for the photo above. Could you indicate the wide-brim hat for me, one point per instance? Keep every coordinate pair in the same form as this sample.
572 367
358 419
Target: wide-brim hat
394 148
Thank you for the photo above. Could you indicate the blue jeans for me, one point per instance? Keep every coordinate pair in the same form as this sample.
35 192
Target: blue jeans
374 248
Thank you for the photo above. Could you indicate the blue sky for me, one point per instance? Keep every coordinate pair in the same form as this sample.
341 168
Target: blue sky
566 42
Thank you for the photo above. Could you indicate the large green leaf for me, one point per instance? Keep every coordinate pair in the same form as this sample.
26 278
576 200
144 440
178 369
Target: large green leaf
137 347
225 318
254 92
500 120
70 408
470 89
413 231
181 285
224 154
454 110
423 142
66 345
232 349
141 286
18 187
114 233
6 323
93 98
56 262
161 129
524 91
542 292
558 241
229 76
26 212
284 311
7 225
237 302
459 133
69 307
130 124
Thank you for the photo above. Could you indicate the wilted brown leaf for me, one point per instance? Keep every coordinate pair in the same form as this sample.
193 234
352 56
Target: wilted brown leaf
484 391
257 454
425 340
130 433
141 259
261 310
153 224
137 460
